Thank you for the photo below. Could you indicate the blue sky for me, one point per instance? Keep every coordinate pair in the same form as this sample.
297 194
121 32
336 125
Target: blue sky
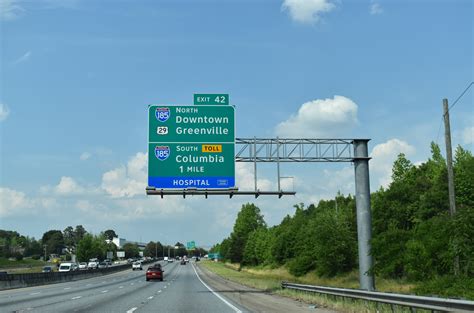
77 77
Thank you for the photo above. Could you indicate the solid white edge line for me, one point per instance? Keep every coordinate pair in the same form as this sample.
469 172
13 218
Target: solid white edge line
215 293
131 310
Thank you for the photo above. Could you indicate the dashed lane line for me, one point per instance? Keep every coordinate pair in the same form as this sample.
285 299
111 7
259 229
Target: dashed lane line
131 310
75 298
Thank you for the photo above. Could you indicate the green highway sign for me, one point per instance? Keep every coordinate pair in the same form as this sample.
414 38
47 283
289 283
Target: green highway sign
211 99
191 123
190 245
191 147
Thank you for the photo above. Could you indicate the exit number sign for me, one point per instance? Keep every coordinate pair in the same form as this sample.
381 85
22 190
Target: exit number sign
211 99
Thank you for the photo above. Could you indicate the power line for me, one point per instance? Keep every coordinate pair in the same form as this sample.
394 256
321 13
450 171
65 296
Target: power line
462 94
451 106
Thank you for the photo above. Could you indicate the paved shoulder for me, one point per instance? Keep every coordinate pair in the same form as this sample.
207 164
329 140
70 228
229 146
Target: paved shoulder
252 299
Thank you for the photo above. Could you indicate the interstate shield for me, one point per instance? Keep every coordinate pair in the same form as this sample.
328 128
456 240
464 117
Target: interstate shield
162 114
162 152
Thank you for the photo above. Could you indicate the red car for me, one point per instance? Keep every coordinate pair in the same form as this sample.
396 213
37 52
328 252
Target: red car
154 272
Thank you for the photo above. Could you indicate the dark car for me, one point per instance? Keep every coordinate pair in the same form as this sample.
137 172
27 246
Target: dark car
183 261
154 272
47 269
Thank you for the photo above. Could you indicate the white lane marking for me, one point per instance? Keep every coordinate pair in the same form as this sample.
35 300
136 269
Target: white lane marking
215 293
104 291
67 288
75 298
131 310
165 287
159 291
132 284
150 297
34 293
120 287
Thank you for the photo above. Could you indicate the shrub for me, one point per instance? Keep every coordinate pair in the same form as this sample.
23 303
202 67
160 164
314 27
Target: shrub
18 256
300 265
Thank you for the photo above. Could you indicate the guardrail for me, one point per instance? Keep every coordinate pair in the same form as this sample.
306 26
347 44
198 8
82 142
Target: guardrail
427 303
11 281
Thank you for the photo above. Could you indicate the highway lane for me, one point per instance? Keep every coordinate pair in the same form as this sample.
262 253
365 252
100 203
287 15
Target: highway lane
127 291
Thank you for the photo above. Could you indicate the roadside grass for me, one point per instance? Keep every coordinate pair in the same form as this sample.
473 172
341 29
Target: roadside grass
269 279
345 305
23 266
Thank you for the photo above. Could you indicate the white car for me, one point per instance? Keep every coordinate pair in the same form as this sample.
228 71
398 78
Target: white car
93 264
83 265
137 266
66 267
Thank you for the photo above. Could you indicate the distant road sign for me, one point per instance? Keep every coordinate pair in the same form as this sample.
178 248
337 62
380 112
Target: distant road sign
190 245
211 99
191 147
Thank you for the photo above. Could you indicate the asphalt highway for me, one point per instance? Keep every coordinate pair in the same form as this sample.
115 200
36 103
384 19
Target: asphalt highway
182 290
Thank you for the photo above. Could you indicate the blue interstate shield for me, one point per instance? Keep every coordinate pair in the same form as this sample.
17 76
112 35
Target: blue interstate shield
162 114
162 152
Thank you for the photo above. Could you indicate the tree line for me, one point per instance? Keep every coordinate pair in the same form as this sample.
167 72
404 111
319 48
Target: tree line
85 245
414 236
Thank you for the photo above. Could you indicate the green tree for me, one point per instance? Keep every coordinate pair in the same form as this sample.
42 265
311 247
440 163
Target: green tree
69 237
110 234
248 220
91 247
54 241
401 167
131 250
153 249
79 233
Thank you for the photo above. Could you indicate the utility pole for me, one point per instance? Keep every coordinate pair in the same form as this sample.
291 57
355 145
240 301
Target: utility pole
449 158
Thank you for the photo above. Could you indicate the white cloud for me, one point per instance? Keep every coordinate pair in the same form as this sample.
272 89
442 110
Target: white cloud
4 112
321 118
13 202
25 57
307 11
127 181
85 156
67 185
10 10
468 135
342 180
245 179
375 8
383 155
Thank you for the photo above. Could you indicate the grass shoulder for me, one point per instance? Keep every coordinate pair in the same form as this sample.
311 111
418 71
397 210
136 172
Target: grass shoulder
268 278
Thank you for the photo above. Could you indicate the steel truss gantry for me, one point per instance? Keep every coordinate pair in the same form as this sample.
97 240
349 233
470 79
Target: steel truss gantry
293 150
